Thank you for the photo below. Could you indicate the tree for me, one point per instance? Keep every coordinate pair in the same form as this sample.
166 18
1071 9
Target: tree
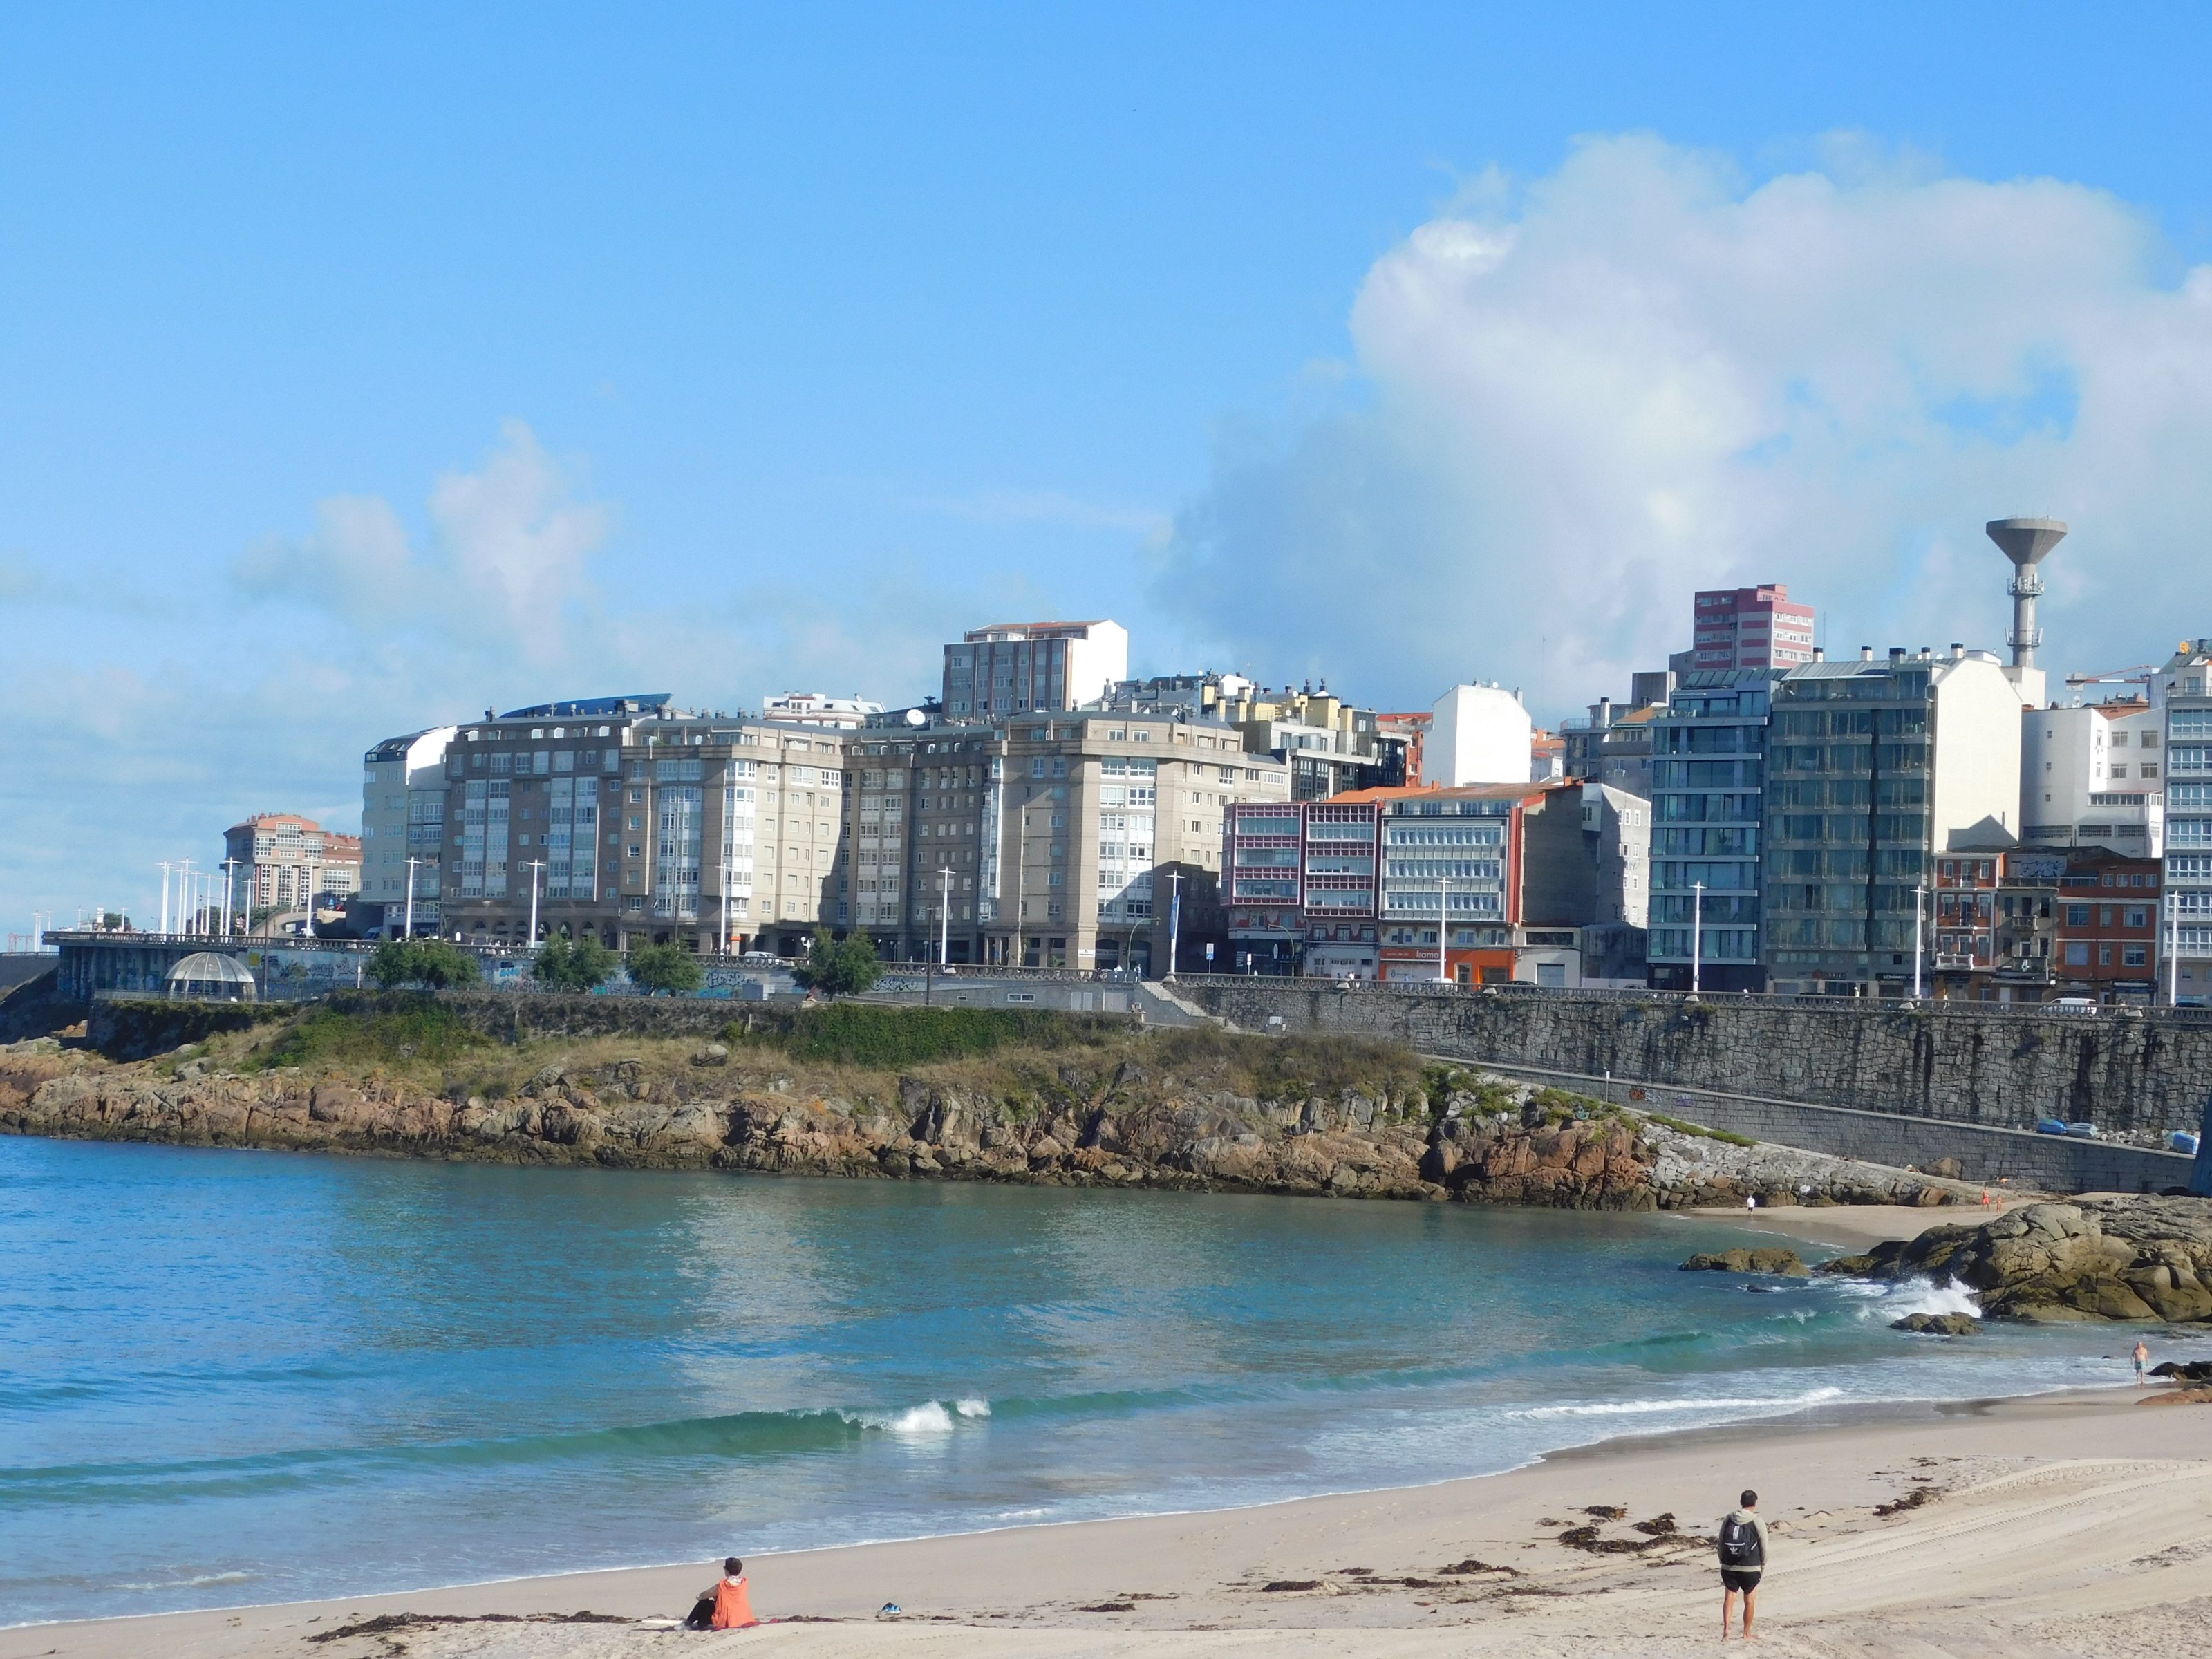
838 969
659 968
431 963
580 964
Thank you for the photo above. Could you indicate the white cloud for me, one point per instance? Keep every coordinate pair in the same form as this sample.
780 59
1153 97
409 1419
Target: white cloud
1636 377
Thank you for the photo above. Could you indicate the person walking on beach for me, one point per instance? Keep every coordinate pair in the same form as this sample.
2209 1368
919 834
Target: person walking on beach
727 1604
2143 1358
1743 1558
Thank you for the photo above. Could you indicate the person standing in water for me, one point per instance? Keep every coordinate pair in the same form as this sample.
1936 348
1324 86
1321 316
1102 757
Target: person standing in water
1743 1559
2142 1358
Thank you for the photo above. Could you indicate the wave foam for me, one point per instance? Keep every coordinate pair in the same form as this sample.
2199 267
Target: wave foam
926 1420
194 1583
1771 1403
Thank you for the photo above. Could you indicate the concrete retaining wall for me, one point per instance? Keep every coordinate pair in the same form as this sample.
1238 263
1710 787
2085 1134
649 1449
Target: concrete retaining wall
1950 1061
1984 1154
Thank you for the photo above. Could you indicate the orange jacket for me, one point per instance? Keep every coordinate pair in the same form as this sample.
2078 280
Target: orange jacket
733 1606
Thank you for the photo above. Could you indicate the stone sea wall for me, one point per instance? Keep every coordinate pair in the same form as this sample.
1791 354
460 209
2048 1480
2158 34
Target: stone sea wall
1949 1061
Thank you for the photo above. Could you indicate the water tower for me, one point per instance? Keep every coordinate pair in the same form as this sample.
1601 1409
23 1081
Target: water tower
2026 543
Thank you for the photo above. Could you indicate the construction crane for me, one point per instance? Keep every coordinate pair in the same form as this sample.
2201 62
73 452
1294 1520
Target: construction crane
2134 674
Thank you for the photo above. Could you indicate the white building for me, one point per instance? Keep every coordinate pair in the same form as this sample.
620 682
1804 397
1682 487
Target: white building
1027 668
2095 777
817 708
1479 734
403 816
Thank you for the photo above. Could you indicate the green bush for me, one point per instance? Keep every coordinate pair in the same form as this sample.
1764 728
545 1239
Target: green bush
581 964
431 963
671 968
865 1034
403 1027
839 968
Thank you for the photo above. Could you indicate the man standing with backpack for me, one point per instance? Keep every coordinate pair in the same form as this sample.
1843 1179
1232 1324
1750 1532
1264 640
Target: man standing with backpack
1743 1558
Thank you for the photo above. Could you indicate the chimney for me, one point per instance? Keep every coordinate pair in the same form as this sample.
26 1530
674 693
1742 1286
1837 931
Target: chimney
1601 716
1866 654
1925 653
1897 653
1820 653
1957 649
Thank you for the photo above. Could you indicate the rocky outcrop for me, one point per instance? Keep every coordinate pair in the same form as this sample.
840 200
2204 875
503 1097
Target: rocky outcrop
1107 1122
1763 1260
2108 1256
1927 1324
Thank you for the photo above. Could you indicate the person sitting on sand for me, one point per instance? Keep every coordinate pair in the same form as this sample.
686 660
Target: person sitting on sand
1743 1558
726 1604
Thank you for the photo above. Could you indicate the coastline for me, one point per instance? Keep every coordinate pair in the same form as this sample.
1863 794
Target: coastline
2130 1480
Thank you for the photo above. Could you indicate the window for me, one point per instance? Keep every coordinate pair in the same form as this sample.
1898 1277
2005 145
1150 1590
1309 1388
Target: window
2138 916
2135 955
2077 915
2077 953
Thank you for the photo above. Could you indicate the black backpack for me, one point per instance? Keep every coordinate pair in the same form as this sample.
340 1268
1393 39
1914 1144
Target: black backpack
1739 1545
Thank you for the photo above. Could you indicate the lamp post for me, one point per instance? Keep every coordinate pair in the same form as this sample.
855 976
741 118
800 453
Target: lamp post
1443 924
945 920
535 866
166 867
407 924
1919 898
1175 916
2172 949
311 869
1697 935
229 881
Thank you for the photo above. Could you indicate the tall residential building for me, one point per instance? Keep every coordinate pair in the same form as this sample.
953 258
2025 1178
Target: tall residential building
280 861
1874 768
1709 758
1093 820
402 818
1412 730
1022 668
2093 776
1329 745
1478 734
643 824
2184 688
1746 628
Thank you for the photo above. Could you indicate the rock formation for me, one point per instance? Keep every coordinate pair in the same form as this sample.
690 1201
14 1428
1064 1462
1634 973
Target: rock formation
1099 1122
2104 1256
1762 1261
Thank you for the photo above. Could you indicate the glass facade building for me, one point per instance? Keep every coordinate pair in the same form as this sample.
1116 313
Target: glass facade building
1708 779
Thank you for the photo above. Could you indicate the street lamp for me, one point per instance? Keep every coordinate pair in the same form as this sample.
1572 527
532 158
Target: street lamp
1697 934
407 925
229 881
166 867
534 865
1443 924
1919 898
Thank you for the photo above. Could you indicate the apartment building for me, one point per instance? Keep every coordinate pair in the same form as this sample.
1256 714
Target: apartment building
916 798
2108 925
1515 878
1329 745
1874 768
1709 762
1479 733
279 860
1094 822
2093 776
2183 689
1010 669
640 823
402 818
1746 628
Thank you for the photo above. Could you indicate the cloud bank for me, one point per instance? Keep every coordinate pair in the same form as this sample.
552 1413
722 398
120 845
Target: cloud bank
1589 395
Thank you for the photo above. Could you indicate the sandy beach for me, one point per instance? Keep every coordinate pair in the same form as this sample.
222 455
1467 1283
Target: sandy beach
2073 1524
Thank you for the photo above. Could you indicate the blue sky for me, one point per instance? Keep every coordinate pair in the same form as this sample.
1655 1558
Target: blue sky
367 368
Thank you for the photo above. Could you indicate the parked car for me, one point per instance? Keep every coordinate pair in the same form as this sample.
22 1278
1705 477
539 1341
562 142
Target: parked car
2083 1132
2182 1141
2051 1126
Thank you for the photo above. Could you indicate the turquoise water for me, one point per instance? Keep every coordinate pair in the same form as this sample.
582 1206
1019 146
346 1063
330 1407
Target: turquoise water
235 1377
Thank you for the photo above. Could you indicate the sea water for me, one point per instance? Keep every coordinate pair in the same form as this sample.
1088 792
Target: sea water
231 1376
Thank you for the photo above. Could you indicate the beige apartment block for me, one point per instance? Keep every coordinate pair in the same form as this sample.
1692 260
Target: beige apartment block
1092 820
641 823
277 859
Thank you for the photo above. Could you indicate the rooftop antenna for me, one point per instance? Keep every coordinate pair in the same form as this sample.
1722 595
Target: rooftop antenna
2026 543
